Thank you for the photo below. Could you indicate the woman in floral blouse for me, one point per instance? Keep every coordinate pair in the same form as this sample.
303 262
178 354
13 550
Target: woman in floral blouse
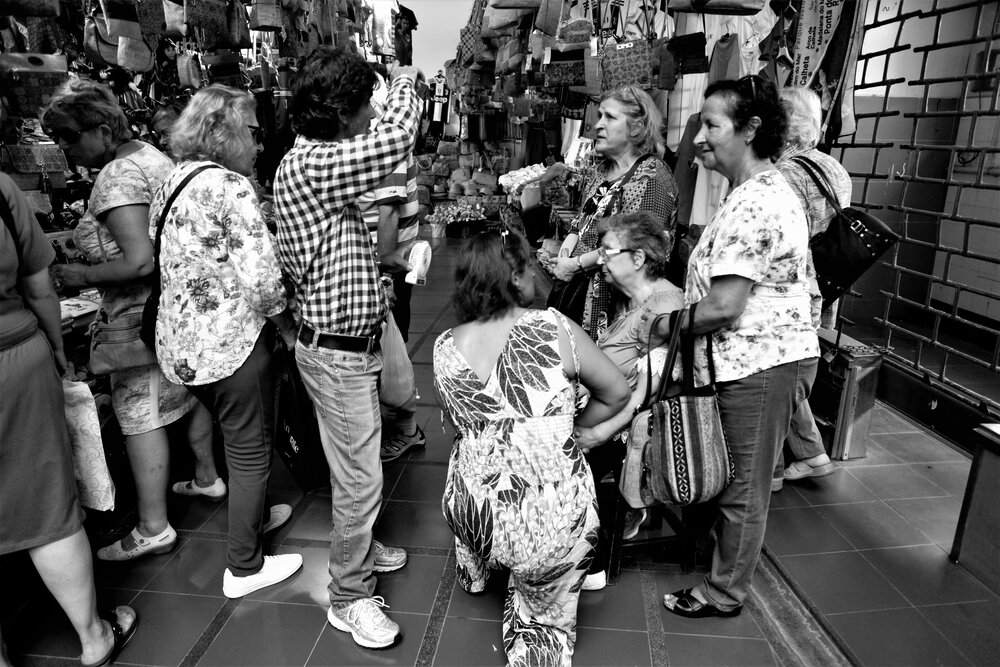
748 275
221 305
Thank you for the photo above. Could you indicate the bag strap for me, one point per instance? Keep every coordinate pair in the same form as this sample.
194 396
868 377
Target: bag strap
687 356
668 364
166 209
572 341
819 178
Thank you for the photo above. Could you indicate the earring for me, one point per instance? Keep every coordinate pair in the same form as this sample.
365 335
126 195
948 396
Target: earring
748 140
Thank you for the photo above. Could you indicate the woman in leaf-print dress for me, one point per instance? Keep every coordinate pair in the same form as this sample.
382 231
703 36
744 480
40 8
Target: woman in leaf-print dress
519 492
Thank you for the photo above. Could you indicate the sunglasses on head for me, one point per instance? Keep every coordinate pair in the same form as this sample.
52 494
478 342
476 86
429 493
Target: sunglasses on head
752 83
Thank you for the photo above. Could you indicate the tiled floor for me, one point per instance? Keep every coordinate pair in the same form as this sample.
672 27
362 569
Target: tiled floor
866 546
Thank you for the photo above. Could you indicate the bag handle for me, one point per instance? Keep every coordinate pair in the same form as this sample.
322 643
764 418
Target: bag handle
668 363
166 209
819 178
687 356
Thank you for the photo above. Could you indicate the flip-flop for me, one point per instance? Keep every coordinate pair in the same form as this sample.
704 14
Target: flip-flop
122 635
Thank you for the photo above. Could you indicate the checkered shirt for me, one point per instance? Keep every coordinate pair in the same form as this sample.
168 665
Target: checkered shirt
323 244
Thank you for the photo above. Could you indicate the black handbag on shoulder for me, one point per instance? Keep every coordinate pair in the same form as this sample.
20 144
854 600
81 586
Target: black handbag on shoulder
849 246
569 297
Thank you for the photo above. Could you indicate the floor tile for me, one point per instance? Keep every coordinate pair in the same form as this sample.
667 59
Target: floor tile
802 530
307 586
875 454
894 637
267 634
218 521
925 575
971 628
617 607
187 616
423 483
788 497
438 447
314 522
950 476
488 606
700 650
133 574
937 518
917 448
470 643
336 648
887 420
896 481
607 648
840 487
413 588
872 525
423 376
189 513
738 626
842 582
413 524
196 569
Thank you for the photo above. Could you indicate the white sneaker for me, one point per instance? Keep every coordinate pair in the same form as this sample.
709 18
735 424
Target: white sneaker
365 621
279 517
596 581
274 570
216 492
387 559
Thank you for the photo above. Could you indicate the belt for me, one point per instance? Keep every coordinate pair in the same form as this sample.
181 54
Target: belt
366 344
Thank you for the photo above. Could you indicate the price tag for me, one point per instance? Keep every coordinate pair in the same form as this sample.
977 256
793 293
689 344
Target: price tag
547 57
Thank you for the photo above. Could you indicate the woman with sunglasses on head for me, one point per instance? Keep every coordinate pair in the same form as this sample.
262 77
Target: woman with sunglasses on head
519 493
748 276
115 235
221 307
631 177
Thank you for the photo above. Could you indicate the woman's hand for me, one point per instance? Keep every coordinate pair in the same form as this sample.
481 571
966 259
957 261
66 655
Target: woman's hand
564 267
588 437
69 275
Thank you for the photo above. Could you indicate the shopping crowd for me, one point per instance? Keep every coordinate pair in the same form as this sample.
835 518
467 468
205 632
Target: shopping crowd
541 400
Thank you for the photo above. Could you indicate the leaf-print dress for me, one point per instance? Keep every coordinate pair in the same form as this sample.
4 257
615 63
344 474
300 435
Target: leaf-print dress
519 492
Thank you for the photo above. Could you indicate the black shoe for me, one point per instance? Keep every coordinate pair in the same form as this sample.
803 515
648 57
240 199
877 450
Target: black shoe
683 603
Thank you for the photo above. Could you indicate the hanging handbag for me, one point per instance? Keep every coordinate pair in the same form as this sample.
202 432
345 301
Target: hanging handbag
189 70
151 19
728 7
849 246
150 311
238 34
265 15
121 19
224 69
29 7
28 80
688 52
135 55
296 438
573 34
677 451
566 71
209 21
101 50
173 18
625 64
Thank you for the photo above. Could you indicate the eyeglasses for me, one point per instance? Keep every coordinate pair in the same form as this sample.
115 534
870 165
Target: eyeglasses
604 253
752 81
68 135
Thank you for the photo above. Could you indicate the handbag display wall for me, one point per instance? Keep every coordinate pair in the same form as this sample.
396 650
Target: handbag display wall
29 80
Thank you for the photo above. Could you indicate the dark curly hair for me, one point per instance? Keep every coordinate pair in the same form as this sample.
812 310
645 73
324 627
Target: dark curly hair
484 275
329 82
755 96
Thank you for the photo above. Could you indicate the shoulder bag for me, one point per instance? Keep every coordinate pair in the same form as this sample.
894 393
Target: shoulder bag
147 331
849 246
677 451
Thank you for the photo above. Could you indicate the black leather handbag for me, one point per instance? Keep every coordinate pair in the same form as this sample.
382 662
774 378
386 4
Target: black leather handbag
849 246
569 297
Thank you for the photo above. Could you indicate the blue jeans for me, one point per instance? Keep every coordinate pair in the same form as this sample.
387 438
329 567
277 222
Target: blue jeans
756 413
343 388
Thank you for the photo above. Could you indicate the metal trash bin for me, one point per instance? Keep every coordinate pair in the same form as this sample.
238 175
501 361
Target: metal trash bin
843 395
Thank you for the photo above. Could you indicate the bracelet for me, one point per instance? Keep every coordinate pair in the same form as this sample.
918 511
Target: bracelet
579 263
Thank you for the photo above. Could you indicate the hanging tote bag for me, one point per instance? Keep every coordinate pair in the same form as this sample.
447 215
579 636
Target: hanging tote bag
296 438
849 246
626 64
685 458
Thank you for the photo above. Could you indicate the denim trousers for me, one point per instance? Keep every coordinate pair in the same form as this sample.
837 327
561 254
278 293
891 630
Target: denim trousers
344 389
244 405
756 412
804 440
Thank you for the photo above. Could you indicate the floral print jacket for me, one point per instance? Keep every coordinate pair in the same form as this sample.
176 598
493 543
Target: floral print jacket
219 275
759 233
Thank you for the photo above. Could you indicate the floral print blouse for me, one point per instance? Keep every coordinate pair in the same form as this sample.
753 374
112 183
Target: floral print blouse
758 233
219 275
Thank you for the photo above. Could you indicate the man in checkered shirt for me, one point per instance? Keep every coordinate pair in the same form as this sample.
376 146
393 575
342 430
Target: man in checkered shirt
325 248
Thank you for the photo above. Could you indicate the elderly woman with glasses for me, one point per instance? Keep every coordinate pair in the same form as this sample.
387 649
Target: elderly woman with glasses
116 236
221 307
748 276
631 177
634 253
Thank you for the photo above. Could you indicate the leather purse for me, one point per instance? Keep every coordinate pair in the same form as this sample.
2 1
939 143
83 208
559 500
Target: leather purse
136 55
189 70
728 7
121 19
266 15
849 246
677 451
101 49
151 19
223 69
625 64
238 34
28 80
208 19
688 52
